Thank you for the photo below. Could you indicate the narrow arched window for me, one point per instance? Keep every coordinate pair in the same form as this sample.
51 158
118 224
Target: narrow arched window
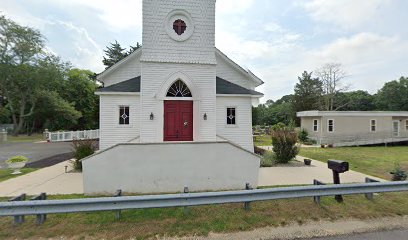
179 89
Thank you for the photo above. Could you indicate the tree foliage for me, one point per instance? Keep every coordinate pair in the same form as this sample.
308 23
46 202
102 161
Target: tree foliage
308 93
393 96
115 53
37 89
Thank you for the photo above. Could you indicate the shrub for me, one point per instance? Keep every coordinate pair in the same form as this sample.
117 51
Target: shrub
303 135
82 149
278 126
268 159
17 159
398 174
284 144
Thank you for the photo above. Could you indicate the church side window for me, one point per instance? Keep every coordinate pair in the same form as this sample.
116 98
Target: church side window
124 115
231 116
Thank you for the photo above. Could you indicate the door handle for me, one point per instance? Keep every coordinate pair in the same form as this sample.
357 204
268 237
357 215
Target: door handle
185 124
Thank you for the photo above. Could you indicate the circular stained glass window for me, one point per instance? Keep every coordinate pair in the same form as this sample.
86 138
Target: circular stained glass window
179 26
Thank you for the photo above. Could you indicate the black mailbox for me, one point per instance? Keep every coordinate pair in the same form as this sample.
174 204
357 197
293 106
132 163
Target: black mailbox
338 166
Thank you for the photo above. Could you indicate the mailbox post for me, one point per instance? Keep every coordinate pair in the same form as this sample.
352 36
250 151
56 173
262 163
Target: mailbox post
338 167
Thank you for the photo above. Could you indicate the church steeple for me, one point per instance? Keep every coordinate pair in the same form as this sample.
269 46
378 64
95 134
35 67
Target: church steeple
179 31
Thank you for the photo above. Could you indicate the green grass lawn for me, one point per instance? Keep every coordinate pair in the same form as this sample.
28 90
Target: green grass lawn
148 223
6 173
24 138
375 161
265 140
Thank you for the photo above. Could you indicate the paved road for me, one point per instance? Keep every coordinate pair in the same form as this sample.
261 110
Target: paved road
34 151
387 235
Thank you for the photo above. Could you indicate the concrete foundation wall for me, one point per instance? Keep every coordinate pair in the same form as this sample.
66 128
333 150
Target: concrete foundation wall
169 167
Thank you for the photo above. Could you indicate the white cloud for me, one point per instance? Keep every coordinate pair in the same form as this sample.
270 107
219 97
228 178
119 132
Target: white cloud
369 60
83 51
233 6
118 14
348 14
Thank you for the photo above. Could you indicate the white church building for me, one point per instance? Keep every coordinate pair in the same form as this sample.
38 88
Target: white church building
176 112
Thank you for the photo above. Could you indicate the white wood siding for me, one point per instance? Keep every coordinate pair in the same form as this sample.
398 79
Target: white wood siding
241 133
229 73
126 71
153 77
111 132
159 47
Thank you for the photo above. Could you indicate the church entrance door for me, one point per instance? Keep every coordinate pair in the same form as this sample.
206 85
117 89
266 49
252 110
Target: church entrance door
178 120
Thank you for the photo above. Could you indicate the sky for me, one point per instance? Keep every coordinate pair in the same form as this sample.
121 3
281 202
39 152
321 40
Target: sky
276 39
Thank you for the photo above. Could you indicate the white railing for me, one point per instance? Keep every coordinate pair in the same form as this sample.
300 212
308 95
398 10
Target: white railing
71 135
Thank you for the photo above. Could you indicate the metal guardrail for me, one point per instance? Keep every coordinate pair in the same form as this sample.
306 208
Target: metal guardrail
21 208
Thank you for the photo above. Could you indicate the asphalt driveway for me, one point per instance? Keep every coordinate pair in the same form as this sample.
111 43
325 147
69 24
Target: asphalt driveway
46 152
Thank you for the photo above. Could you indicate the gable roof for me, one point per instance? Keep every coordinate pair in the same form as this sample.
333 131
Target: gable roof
222 87
105 72
233 64
138 52
131 85
226 87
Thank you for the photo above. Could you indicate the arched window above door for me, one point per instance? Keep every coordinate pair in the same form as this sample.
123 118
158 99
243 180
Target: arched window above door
179 89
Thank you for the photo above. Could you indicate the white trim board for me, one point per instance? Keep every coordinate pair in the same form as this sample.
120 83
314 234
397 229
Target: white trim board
118 93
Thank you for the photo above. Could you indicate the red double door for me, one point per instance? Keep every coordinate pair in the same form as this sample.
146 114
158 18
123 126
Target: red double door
178 120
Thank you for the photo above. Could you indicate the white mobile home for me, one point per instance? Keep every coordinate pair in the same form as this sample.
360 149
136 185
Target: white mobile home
344 128
176 112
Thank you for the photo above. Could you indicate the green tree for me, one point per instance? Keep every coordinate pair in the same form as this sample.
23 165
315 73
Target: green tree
354 101
308 93
115 53
79 89
393 96
20 49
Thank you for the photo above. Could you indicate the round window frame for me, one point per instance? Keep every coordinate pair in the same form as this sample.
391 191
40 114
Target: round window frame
184 16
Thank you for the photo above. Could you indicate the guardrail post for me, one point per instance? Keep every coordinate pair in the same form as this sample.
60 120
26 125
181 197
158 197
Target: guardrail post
19 219
247 205
186 190
118 213
316 199
40 217
370 196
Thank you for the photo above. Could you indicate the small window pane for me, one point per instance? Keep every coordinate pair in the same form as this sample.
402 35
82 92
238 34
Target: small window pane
330 125
231 116
373 125
124 115
315 125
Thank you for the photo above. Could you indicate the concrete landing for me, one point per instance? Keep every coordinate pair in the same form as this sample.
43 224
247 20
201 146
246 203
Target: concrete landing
51 180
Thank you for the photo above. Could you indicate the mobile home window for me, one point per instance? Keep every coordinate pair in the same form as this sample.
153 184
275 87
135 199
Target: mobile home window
373 125
315 125
124 115
330 125
231 116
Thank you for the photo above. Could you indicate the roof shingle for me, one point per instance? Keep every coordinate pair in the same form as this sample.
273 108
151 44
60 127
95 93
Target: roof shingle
223 87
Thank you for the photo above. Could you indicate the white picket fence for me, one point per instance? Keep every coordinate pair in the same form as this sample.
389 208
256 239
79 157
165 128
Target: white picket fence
71 135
